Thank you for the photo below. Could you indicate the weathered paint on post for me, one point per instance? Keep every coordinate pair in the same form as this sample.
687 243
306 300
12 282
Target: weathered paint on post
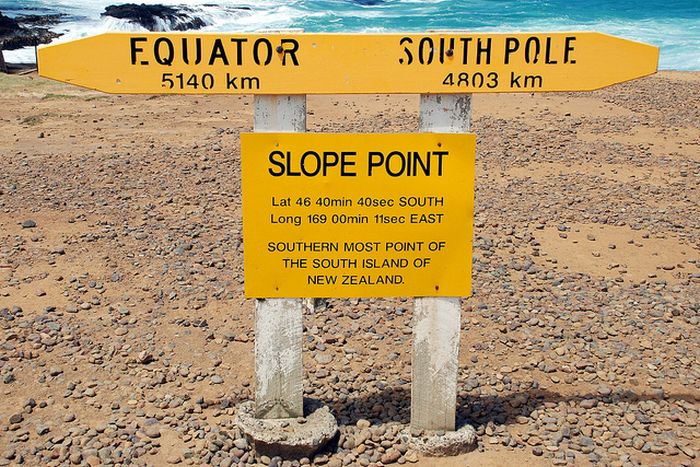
278 369
436 320
278 322
445 113
280 113
436 329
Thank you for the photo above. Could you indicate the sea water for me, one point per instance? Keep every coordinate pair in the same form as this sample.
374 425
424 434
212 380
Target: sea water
673 25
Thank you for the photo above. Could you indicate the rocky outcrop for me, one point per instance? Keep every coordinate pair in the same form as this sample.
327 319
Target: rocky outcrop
156 17
40 20
25 31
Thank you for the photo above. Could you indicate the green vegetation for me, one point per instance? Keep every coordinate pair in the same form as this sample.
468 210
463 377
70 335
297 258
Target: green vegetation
52 95
32 120
29 82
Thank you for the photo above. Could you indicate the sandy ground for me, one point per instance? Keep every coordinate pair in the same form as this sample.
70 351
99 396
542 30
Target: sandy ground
126 337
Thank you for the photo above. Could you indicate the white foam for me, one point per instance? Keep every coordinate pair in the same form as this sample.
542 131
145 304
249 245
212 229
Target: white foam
679 39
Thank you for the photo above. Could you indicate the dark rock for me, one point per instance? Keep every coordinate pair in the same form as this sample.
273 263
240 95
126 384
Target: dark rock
23 32
156 17
40 20
8 25
16 418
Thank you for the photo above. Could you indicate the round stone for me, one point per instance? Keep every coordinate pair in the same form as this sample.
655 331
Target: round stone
152 431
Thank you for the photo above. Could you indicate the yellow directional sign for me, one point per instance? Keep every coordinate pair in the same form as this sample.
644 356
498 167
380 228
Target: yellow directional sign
194 63
357 215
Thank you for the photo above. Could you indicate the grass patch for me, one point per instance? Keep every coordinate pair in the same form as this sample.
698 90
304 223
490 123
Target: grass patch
31 120
7 81
58 96
94 98
28 83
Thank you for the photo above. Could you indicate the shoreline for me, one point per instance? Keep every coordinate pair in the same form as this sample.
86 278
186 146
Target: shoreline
20 68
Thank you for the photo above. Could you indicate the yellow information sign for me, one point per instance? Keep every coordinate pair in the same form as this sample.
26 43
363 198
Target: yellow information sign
357 215
196 63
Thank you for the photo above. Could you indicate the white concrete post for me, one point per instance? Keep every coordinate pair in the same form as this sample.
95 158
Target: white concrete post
436 320
278 321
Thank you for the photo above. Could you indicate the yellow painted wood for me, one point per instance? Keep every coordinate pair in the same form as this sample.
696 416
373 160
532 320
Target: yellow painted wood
299 63
323 212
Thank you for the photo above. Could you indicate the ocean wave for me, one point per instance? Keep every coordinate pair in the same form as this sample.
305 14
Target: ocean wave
675 29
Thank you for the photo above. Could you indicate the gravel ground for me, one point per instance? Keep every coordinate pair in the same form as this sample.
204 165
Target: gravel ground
126 338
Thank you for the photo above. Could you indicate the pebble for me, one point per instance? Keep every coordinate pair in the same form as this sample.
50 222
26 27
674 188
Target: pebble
152 431
363 424
588 403
323 358
390 457
688 451
16 418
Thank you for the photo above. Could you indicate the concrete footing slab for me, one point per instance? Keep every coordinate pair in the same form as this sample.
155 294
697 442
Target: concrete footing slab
288 438
442 443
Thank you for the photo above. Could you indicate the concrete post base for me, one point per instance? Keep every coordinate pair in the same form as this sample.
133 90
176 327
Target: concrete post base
442 443
288 438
